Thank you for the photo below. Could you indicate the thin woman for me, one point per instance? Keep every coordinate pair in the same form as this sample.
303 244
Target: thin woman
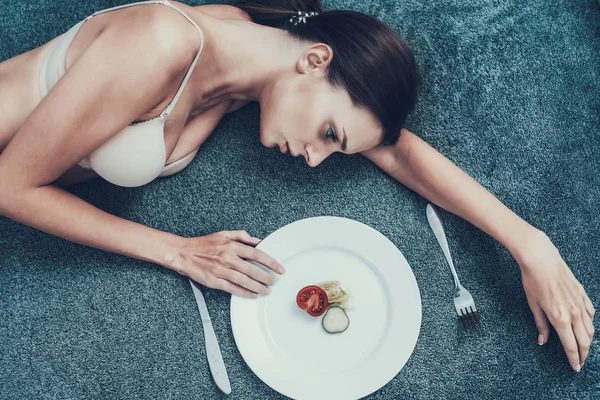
130 94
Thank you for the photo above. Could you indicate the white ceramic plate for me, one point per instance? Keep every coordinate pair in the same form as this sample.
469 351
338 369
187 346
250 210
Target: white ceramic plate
291 352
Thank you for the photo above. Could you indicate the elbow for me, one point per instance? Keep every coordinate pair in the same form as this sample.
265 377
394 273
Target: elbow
4 200
410 160
403 149
411 151
5 194
10 194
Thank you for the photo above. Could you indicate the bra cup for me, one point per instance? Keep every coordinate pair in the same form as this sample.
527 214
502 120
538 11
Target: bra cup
134 157
137 155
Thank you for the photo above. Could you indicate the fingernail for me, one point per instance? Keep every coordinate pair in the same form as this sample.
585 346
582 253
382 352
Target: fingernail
578 368
268 291
255 295
281 270
541 339
582 364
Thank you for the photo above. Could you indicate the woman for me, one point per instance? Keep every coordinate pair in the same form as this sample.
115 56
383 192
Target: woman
90 104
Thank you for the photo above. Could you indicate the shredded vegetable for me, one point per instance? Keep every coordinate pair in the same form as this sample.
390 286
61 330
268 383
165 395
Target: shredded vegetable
337 296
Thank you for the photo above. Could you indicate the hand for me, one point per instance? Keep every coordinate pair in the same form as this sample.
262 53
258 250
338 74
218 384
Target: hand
219 262
555 295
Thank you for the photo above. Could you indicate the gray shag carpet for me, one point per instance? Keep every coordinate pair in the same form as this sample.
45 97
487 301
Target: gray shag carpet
510 94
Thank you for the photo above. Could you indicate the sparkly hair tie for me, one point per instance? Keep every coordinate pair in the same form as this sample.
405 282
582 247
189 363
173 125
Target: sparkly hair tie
296 19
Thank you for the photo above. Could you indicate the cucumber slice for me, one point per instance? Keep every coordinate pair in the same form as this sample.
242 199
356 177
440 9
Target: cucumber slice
335 320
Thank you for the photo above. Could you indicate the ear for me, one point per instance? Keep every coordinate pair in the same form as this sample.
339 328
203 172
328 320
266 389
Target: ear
315 59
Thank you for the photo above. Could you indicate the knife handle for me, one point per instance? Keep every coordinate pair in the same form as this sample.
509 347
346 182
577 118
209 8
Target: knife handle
215 358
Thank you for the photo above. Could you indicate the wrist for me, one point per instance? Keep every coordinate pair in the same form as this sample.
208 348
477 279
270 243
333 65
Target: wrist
169 252
528 246
511 231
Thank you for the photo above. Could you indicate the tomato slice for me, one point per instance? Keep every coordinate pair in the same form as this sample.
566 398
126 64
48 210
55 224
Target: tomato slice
313 300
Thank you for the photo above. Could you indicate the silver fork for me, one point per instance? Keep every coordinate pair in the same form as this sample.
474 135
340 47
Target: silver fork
463 301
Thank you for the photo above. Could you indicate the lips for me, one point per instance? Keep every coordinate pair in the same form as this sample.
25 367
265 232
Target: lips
284 149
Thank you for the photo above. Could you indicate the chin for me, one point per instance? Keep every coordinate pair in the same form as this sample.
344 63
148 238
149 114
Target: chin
264 136
264 139
267 139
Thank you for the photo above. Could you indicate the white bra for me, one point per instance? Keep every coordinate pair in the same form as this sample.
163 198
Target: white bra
136 155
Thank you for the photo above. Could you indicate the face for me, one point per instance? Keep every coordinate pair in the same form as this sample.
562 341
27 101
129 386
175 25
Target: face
305 116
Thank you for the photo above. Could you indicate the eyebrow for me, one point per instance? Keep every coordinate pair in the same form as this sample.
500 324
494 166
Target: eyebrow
345 141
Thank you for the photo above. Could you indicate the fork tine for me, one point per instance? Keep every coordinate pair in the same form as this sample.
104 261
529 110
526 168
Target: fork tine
468 317
472 316
470 320
474 319
475 314
467 323
464 318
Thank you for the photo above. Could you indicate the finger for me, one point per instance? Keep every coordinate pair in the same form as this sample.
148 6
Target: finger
589 307
567 338
587 322
245 282
250 253
254 272
583 338
235 289
541 322
242 236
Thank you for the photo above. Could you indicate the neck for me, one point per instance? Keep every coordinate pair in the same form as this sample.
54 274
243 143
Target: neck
241 61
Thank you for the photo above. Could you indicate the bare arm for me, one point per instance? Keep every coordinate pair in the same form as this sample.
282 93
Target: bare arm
553 293
91 103
420 167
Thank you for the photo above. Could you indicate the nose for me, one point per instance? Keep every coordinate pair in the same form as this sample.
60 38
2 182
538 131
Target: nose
316 157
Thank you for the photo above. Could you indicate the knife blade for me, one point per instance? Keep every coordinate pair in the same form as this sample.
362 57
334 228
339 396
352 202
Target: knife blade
213 351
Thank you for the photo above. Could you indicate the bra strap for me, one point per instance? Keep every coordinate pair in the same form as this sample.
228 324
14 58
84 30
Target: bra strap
127 5
170 107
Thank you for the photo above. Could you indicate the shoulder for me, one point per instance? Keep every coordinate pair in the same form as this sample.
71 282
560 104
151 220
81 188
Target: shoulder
224 12
160 37
164 28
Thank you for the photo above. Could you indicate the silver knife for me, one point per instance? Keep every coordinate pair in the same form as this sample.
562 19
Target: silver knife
213 351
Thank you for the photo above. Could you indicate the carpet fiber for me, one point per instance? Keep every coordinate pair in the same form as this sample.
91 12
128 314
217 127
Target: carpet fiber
510 94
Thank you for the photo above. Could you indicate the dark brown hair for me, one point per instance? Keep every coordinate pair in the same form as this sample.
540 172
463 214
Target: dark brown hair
370 60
